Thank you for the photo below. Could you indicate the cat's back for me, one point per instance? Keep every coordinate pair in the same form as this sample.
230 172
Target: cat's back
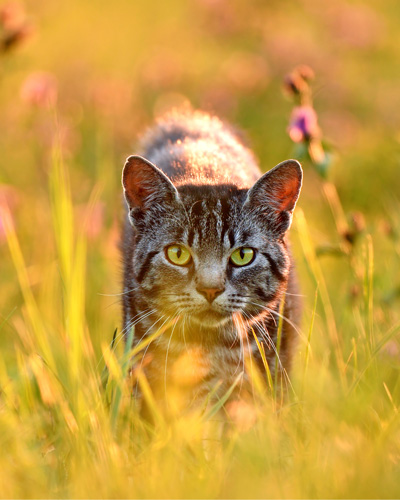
193 147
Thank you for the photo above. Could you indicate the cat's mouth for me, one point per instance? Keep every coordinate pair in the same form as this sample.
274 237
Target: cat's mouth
210 318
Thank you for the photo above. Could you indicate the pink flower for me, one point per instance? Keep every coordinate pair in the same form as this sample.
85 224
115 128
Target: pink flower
39 89
303 124
12 16
14 27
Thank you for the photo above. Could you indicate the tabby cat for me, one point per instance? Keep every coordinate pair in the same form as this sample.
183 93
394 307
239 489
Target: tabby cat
206 256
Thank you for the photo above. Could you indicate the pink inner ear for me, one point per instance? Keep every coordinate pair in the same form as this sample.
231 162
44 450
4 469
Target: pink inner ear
286 195
139 180
144 183
136 183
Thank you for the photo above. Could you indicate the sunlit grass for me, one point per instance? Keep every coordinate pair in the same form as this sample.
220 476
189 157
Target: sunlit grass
70 428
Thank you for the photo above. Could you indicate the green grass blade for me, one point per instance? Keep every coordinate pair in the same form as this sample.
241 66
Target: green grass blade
220 403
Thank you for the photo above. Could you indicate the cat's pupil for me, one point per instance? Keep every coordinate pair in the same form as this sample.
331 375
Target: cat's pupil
179 252
241 253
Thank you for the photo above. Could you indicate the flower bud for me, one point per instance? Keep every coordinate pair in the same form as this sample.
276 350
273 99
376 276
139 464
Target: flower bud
294 84
305 72
13 38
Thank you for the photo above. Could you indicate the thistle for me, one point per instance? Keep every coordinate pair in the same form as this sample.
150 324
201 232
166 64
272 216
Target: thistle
303 126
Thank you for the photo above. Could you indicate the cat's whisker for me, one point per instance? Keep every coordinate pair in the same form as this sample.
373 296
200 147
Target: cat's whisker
145 351
116 294
175 295
166 355
286 293
244 353
112 304
149 328
136 319
244 328
241 332
121 336
263 309
285 318
183 331
272 317
264 332
241 352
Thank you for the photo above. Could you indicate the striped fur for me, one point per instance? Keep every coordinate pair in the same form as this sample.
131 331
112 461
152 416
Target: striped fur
196 184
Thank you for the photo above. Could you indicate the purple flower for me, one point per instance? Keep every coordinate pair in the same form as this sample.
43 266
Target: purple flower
303 124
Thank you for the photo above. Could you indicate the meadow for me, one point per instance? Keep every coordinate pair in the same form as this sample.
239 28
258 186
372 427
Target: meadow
79 82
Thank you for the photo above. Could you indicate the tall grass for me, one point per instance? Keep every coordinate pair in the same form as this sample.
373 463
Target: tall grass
70 428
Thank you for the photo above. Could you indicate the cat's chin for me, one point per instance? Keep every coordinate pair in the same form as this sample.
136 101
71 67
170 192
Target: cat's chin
210 319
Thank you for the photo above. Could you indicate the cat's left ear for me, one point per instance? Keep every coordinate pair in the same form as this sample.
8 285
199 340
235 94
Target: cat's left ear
275 194
145 185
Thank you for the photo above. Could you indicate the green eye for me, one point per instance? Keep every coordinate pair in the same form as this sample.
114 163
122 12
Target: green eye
242 256
178 255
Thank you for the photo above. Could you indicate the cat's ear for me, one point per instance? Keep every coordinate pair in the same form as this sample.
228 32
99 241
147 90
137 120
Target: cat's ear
275 194
145 185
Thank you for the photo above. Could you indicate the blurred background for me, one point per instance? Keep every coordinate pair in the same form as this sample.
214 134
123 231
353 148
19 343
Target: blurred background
79 82
91 76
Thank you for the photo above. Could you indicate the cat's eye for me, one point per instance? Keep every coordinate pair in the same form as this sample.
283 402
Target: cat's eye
178 255
242 256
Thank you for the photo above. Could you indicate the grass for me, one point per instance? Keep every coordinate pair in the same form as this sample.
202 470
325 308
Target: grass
69 432
68 425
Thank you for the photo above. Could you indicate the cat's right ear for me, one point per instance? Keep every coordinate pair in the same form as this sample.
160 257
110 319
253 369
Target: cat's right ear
145 185
275 194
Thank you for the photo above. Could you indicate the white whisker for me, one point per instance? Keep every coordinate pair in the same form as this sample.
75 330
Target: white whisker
148 345
136 319
116 294
166 355
265 334
272 311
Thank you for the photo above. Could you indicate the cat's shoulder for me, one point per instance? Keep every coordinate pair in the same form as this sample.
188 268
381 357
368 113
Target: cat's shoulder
186 143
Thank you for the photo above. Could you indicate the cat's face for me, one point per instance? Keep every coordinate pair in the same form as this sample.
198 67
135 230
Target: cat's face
207 252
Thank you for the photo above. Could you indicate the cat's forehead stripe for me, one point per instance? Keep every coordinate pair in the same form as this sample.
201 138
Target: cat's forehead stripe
209 222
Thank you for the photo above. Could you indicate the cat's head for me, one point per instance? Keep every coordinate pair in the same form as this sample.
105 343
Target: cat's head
208 252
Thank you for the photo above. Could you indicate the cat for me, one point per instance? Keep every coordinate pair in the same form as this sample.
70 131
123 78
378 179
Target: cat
206 257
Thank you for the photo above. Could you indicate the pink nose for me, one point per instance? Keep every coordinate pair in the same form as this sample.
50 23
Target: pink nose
210 293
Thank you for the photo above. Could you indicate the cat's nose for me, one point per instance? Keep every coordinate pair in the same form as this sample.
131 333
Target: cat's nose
210 293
